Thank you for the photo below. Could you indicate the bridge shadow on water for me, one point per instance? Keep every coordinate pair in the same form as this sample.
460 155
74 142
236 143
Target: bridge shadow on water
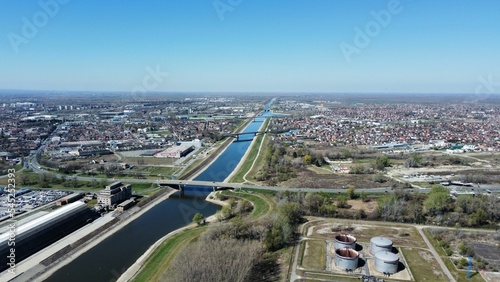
242 140
197 190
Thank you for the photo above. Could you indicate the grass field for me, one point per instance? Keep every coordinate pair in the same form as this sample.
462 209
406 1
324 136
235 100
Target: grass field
148 161
260 203
319 170
314 254
159 260
415 258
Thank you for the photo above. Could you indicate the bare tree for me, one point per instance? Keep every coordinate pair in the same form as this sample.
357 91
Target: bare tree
221 260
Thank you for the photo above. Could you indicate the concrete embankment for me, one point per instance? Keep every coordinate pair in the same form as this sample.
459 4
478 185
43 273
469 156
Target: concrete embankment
44 263
245 156
210 159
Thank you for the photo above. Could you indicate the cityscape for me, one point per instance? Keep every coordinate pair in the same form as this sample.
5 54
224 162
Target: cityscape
249 141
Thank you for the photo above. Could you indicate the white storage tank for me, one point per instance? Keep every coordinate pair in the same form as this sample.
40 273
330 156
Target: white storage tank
386 262
345 241
378 244
346 258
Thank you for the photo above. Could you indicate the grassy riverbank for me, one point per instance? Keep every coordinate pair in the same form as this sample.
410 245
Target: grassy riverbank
159 260
253 154
156 264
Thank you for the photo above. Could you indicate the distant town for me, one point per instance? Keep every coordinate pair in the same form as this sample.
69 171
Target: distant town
87 164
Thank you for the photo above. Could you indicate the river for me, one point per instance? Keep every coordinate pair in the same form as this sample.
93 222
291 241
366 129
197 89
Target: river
114 255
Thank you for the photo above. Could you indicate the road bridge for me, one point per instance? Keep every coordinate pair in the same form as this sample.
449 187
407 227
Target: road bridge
254 133
215 185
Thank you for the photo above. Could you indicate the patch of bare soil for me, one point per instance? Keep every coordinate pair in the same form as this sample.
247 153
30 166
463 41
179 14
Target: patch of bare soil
369 207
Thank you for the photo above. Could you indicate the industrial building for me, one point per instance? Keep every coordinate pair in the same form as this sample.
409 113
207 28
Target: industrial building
346 258
345 241
37 234
176 152
197 143
126 205
386 262
378 244
114 193
69 199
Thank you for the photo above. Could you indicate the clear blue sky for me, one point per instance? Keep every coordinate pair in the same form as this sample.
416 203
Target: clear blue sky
260 45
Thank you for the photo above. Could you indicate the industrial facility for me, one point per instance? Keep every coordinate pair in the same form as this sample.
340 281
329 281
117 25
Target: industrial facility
37 234
114 193
345 241
69 199
346 258
378 244
346 255
386 262
176 151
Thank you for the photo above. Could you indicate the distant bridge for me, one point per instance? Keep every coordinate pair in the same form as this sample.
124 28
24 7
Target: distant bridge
254 133
262 119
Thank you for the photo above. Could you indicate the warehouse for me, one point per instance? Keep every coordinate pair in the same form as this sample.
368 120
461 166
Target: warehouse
176 152
37 234
69 199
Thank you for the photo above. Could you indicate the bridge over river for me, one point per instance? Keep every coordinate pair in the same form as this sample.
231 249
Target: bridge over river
254 133
214 185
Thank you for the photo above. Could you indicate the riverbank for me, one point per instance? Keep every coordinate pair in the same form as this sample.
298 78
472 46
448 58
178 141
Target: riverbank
212 158
139 264
245 156
92 242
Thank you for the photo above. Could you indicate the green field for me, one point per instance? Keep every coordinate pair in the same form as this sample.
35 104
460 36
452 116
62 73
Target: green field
314 254
261 204
417 263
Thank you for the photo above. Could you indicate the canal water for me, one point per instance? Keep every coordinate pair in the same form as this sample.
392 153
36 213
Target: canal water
114 255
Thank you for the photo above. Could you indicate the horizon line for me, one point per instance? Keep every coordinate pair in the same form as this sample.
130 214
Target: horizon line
246 92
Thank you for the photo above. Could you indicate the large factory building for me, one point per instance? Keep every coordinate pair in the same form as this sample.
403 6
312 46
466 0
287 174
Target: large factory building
114 194
37 234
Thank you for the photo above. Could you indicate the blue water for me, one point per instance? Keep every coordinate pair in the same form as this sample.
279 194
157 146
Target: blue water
228 160
114 255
